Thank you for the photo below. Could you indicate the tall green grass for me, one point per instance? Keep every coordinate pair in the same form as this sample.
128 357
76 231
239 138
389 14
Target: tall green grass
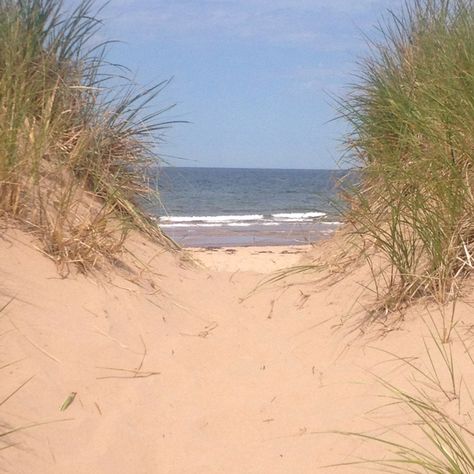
74 148
412 117
411 112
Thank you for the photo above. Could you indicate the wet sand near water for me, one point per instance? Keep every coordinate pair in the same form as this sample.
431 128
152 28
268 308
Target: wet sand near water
251 234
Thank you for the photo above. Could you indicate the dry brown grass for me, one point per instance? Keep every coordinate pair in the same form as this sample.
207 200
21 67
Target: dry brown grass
74 151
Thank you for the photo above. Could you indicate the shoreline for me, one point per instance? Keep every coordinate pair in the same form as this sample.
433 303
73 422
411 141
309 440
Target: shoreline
252 235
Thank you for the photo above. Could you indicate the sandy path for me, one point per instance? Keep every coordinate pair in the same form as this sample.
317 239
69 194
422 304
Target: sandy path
224 384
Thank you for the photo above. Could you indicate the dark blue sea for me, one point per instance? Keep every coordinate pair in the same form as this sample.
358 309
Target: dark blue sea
213 207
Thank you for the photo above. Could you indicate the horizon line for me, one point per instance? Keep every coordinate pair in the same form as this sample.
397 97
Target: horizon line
256 168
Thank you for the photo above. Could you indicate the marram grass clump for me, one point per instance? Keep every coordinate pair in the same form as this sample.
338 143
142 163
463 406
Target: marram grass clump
74 148
412 141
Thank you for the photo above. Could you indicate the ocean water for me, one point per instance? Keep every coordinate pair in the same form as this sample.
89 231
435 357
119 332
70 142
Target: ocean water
214 207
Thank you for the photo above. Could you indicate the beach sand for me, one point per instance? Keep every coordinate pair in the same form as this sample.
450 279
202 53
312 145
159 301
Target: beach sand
181 367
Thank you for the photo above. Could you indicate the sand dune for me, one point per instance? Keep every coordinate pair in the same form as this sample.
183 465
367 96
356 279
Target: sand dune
178 368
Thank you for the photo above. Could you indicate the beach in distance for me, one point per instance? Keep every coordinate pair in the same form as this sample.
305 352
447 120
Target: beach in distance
202 207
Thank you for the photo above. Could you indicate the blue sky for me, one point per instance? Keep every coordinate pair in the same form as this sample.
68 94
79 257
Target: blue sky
253 77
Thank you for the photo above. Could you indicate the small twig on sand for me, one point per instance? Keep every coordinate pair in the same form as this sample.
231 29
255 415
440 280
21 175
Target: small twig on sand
204 333
15 391
270 313
6 304
45 352
232 276
145 352
143 375
137 373
108 336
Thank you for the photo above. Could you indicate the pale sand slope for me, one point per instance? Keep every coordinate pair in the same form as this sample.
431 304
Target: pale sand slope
244 386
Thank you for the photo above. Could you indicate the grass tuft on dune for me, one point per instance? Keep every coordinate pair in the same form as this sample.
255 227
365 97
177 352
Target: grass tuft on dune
411 113
75 140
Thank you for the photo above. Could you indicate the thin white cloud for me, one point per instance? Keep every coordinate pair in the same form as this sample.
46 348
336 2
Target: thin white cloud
317 22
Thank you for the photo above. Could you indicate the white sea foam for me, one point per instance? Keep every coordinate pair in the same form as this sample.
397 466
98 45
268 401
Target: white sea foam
211 219
298 216
194 224
244 220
